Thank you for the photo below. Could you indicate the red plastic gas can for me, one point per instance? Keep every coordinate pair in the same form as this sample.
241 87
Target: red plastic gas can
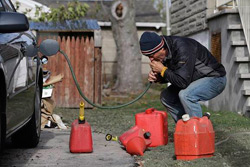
80 138
194 138
133 132
156 123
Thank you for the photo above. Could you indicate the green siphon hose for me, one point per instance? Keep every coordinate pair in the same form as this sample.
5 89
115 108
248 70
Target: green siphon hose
93 104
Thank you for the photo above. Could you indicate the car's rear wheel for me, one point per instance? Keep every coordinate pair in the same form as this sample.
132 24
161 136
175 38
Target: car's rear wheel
29 135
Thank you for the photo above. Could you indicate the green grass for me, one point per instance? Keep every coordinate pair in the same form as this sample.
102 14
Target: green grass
233 148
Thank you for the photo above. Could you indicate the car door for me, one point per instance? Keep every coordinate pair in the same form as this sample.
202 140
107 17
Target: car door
20 75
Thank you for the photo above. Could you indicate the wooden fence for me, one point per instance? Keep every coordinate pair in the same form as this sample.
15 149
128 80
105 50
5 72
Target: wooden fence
86 61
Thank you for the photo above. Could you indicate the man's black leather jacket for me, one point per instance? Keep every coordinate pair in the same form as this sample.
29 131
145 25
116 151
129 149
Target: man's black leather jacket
188 60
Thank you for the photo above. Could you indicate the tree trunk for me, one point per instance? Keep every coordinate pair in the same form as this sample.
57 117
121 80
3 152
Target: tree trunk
129 75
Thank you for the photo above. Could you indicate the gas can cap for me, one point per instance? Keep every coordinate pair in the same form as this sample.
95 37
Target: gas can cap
147 135
185 117
207 114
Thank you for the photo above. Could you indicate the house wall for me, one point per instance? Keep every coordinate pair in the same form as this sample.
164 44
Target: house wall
203 37
109 60
188 17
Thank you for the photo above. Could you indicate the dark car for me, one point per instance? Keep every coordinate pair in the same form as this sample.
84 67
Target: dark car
20 79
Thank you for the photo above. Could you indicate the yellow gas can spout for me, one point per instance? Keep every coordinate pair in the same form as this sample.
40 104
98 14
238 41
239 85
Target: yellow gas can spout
81 113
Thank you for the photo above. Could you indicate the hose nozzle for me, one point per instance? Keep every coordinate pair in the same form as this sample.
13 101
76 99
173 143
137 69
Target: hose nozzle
109 137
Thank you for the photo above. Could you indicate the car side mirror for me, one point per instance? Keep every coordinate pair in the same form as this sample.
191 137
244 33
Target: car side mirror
49 47
13 22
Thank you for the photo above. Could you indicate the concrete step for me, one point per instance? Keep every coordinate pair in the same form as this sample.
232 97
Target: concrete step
235 27
238 43
246 84
242 59
240 51
248 108
243 68
246 92
244 76
237 35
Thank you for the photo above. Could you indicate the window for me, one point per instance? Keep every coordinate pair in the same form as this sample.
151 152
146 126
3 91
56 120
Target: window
8 6
1 7
216 46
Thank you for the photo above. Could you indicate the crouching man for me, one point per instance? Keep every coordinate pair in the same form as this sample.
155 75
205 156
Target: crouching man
195 75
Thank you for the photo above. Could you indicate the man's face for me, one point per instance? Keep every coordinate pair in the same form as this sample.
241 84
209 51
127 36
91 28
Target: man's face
158 56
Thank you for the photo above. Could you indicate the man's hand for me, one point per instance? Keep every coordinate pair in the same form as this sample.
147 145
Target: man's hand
156 66
152 76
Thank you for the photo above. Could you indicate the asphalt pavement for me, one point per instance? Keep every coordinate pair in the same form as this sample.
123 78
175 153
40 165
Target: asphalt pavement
53 150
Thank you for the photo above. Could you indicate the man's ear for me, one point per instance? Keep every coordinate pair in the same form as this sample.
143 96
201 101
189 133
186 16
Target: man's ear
166 50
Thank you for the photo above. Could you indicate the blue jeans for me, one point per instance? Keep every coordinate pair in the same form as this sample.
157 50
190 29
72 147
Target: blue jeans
186 101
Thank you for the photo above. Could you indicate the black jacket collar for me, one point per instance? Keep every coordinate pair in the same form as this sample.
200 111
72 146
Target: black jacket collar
169 56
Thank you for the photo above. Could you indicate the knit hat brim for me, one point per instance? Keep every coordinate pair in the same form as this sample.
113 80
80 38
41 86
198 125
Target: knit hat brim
154 50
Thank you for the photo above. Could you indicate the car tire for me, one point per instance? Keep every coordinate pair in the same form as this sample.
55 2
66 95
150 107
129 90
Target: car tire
29 135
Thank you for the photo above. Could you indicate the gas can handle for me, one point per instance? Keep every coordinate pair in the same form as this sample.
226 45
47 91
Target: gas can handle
149 111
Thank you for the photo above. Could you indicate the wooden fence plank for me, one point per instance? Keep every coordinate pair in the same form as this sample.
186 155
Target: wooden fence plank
61 63
97 75
76 69
89 69
55 69
83 63
73 99
80 66
66 75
